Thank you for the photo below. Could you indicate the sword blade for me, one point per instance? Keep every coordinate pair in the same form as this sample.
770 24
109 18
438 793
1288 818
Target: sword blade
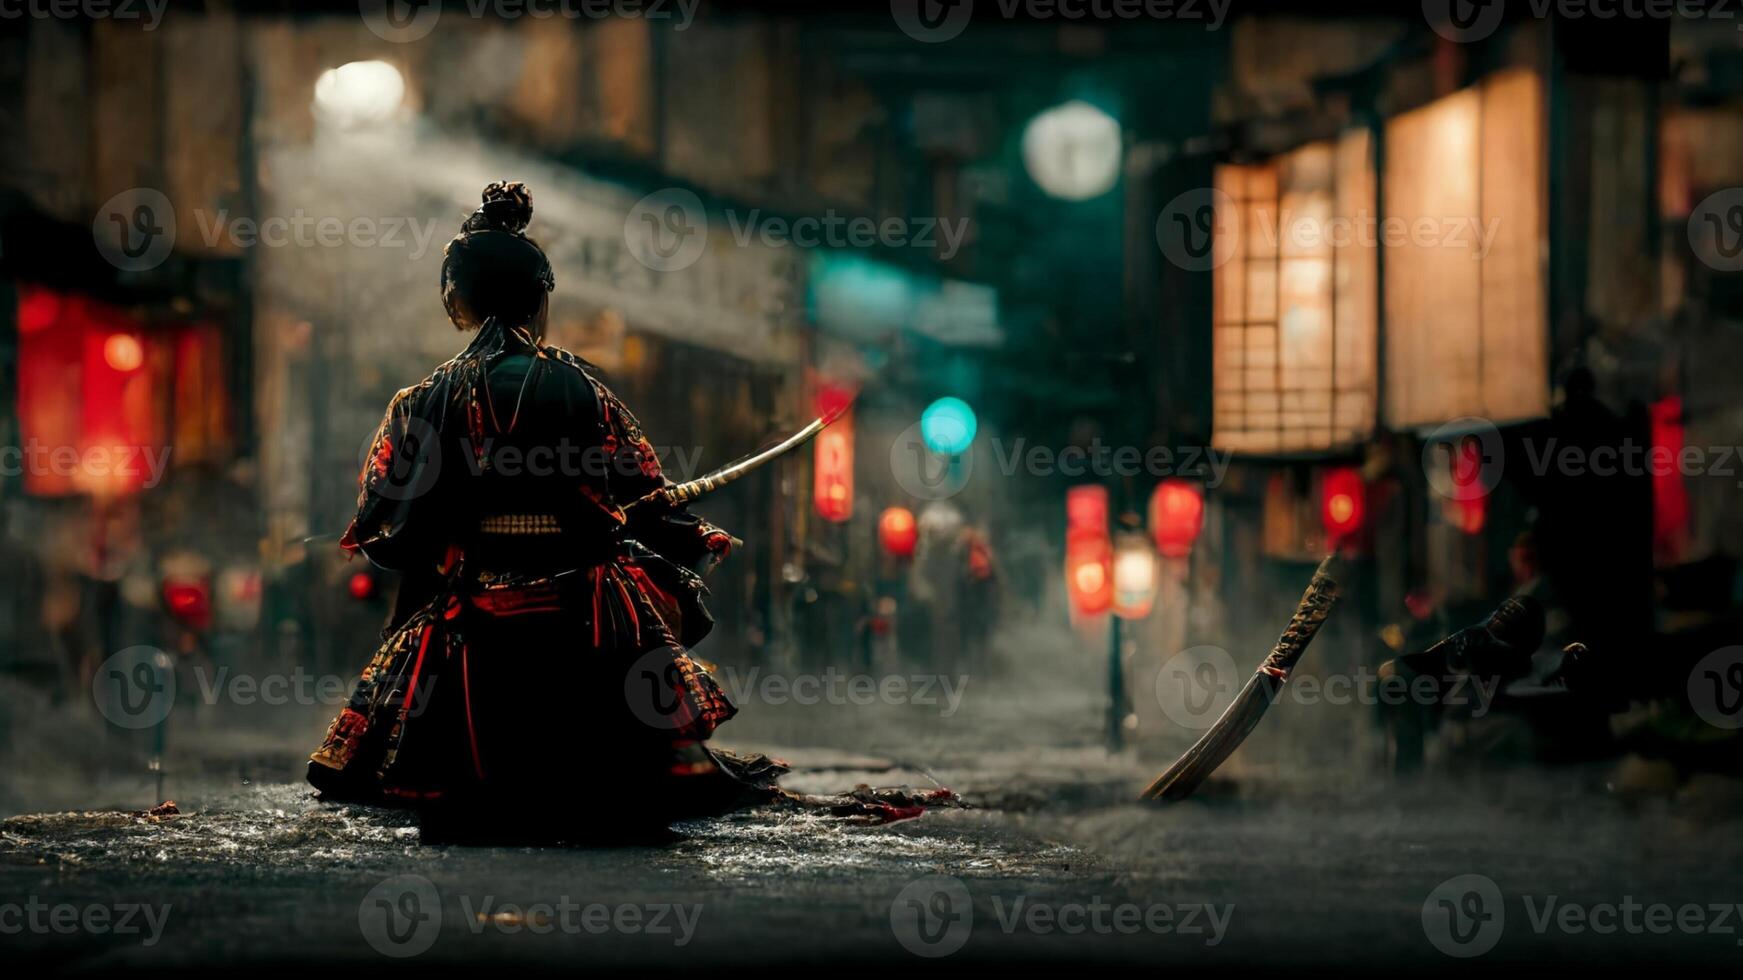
683 493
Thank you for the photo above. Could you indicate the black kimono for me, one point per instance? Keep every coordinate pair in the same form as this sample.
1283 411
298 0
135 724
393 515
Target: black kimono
540 639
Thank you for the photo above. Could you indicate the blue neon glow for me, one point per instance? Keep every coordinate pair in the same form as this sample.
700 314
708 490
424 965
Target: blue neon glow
948 426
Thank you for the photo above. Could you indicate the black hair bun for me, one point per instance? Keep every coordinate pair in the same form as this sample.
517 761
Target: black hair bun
508 206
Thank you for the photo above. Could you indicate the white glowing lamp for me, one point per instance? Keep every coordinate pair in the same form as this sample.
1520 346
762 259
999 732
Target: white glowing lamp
1073 151
359 93
1135 575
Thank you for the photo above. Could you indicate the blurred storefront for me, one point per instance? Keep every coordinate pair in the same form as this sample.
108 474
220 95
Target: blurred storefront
1408 320
302 174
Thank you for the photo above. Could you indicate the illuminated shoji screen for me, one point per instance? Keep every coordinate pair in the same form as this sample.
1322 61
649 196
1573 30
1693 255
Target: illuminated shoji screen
1466 324
1295 302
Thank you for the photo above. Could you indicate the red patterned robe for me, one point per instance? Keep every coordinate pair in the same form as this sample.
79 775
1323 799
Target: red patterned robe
540 641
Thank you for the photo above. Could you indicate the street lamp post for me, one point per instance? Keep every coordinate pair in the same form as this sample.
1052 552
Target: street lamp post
1135 577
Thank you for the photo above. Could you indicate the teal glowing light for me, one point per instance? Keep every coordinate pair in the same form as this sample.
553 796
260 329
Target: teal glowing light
947 426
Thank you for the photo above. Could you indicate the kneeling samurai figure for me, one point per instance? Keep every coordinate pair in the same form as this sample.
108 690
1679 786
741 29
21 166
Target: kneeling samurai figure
537 657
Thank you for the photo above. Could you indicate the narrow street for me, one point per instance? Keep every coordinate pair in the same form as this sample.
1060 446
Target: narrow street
1053 865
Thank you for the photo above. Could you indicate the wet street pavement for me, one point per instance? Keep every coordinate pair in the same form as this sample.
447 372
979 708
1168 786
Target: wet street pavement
1054 865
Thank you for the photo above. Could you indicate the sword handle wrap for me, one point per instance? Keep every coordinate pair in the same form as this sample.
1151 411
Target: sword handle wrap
1310 615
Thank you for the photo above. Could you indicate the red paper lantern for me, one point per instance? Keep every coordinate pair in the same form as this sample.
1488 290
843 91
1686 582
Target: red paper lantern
1086 508
898 532
1470 512
81 389
1670 497
832 476
1342 502
1176 517
831 400
1089 572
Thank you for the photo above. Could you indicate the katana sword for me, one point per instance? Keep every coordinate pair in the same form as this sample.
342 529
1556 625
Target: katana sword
682 493
1262 688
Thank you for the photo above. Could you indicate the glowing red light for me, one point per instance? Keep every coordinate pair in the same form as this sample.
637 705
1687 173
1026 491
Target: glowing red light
1086 508
1342 501
1089 578
898 532
188 600
362 586
1176 517
832 471
1469 512
831 400
1670 497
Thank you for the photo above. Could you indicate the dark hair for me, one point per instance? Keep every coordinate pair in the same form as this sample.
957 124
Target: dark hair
492 269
